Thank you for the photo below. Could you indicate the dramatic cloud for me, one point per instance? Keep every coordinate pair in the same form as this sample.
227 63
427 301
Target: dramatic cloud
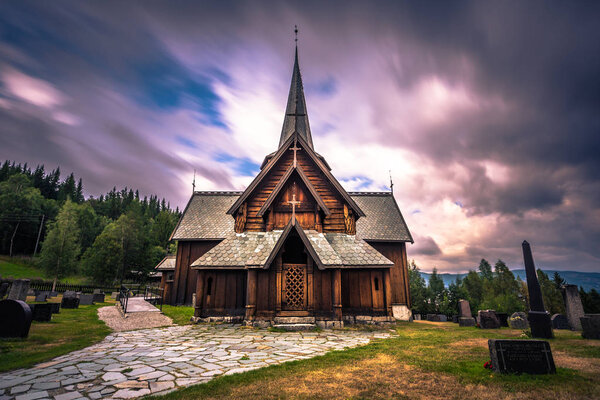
486 113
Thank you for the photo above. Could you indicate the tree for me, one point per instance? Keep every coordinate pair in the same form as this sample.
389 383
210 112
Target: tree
553 300
485 269
437 291
418 290
558 280
473 285
61 246
502 292
590 301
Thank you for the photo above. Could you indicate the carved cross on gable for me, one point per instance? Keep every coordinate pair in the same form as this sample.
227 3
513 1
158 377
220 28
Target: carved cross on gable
295 149
294 203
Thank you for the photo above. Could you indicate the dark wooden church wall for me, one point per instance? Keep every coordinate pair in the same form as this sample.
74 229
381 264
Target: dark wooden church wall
363 291
184 283
396 252
224 292
322 292
266 292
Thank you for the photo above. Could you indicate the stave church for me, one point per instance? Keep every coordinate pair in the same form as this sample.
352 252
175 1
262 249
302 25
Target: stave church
294 247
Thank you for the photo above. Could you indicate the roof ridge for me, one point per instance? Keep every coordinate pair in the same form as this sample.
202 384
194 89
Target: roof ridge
218 192
382 193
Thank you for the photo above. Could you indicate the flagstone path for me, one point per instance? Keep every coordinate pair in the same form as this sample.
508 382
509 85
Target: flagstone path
151 361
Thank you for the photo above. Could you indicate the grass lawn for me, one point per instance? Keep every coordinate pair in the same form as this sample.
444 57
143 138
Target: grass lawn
423 360
70 330
179 314
17 269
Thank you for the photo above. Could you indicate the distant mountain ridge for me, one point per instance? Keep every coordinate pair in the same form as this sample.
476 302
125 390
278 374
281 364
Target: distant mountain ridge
587 280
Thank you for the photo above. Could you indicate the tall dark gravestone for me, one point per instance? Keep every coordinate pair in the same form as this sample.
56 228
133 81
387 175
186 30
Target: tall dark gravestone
539 318
15 319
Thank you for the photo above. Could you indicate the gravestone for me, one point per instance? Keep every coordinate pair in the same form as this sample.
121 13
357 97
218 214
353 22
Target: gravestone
41 312
417 317
69 293
53 294
114 295
521 356
98 297
590 323
559 321
15 319
69 302
55 308
431 317
465 317
488 319
455 319
41 296
86 299
573 306
503 318
19 289
518 320
539 318
3 289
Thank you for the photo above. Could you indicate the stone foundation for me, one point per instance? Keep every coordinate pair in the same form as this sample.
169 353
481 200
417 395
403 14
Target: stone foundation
236 319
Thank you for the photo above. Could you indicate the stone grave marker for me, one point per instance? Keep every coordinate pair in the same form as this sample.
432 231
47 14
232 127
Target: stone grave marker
590 323
503 318
98 297
559 321
465 317
417 317
86 299
573 306
41 296
431 317
518 320
455 319
19 289
15 319
70 302
539 318
69 293
488 319
53 294
3 289
41 312
521 356
55 308
114 295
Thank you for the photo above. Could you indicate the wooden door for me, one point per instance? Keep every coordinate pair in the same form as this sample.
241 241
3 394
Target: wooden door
294 287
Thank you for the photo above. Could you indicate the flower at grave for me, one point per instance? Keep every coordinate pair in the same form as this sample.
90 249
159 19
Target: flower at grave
488 364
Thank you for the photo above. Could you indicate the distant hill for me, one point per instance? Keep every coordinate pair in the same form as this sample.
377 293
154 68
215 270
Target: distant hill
588 280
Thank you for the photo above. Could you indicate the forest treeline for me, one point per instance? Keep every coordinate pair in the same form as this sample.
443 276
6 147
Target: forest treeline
106 238
489 289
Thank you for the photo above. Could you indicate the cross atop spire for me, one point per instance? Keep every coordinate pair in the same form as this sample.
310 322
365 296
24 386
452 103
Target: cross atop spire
296 116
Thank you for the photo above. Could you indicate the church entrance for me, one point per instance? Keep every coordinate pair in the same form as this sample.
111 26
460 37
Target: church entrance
294 291
294 287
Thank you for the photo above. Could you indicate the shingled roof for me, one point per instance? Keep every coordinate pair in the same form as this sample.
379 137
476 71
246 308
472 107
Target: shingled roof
205 217
167 263
257 250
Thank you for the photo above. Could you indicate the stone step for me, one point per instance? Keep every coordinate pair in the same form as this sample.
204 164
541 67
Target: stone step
294 320
295 327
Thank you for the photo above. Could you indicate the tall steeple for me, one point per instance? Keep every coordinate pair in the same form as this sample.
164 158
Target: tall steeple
296 116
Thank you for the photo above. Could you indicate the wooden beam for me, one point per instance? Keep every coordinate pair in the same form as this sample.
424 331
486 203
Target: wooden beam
387 284
251 295
199 294
336 291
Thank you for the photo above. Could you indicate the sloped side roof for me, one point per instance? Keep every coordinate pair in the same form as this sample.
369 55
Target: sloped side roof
383 220
167 263
354 251
240 250
204 217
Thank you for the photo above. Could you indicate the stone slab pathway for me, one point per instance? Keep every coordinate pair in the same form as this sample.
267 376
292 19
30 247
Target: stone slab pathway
138 304
151 361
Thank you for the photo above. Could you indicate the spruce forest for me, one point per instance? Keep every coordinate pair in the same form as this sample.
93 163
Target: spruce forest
116 237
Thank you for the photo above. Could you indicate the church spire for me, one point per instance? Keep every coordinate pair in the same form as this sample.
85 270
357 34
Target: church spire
296 117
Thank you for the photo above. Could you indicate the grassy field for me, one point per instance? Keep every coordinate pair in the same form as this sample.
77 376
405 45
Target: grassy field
179 314
70 330
424 360
19 269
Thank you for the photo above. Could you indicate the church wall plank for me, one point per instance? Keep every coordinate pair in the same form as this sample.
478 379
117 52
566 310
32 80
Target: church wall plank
216 300
184 282
396 252
364 278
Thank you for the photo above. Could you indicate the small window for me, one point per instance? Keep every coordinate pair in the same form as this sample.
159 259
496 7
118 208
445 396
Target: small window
376 284
209 286
169 277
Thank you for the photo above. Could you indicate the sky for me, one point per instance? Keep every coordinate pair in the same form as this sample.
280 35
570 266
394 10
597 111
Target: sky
487 114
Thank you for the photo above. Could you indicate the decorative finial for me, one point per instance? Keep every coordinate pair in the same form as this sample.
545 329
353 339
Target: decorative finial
296 34
194 182
391 183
